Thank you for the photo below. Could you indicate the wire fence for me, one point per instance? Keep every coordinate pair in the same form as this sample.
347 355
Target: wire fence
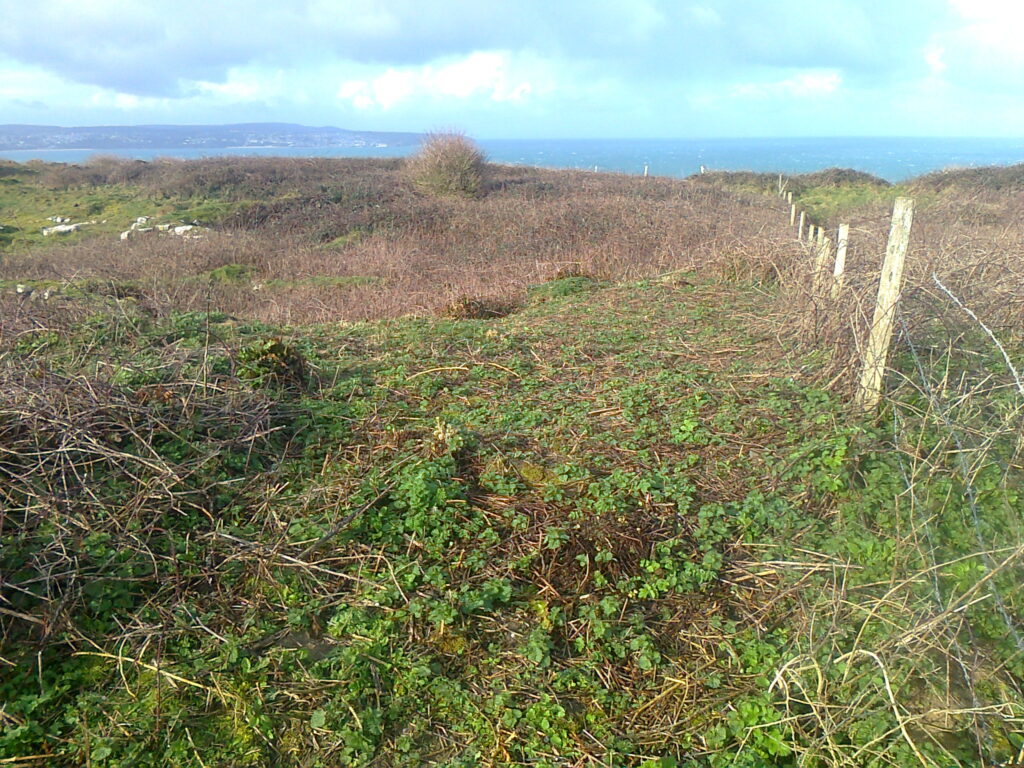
954 405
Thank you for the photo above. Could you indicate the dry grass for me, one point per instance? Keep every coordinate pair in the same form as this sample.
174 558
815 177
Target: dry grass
955 406
351 240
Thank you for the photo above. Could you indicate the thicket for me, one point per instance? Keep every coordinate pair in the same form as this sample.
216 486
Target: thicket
610 507
448 164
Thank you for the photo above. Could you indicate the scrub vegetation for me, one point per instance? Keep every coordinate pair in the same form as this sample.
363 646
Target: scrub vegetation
562 473
448 164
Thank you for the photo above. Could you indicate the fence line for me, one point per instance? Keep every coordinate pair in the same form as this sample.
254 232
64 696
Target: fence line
820 246
964 446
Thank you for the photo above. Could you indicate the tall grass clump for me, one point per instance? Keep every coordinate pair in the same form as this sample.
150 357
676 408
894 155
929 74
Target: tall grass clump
448 164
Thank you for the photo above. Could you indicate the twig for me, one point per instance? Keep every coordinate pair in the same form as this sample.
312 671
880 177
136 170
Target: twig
169 675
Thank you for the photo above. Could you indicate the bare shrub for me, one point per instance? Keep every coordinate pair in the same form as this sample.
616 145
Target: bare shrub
448 164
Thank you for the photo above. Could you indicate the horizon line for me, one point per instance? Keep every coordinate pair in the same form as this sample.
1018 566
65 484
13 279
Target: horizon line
732 137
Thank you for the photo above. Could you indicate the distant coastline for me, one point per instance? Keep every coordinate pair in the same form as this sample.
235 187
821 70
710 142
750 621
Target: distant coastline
894 159
147 137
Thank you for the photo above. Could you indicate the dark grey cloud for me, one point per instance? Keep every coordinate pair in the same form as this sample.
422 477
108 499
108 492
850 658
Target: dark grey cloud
149 48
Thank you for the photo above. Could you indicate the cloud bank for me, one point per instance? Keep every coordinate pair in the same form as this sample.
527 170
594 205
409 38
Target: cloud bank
522 67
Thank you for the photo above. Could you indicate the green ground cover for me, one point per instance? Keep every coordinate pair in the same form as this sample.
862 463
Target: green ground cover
26 205
593 531
605 524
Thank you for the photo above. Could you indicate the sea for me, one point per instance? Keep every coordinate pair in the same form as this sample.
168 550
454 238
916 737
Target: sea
894 159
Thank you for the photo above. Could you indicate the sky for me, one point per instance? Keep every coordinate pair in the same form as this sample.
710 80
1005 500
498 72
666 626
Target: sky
523 68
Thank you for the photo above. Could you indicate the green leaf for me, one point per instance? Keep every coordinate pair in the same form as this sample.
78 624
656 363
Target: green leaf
101 752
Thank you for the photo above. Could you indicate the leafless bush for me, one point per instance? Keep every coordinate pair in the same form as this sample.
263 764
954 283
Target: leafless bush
65 441
447 164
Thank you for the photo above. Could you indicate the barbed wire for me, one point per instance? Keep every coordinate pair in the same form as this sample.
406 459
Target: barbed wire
970 492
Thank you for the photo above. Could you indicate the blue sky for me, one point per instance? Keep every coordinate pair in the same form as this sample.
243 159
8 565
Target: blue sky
523 68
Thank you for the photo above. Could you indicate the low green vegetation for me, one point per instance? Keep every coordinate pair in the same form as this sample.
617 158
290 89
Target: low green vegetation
827 196
28 199
618 523
349 238
546 537
833 204
326 281
560 288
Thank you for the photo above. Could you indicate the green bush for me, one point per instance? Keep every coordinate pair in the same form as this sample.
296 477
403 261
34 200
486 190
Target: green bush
448 164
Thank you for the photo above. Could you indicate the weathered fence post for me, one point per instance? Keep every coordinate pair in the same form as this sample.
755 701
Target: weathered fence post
840 268
792 215
889 286
645 170
800 228
789 198
824 250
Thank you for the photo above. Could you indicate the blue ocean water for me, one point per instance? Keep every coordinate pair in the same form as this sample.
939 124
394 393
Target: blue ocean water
894 159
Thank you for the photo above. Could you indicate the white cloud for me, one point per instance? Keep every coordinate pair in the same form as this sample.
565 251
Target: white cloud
705 16
246 85
486 74
803 85
934 57
982 48
1007 15
124 102
617 67
18 82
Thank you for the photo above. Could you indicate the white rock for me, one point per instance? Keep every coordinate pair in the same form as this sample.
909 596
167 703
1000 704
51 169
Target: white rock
61 229
183 229
126 234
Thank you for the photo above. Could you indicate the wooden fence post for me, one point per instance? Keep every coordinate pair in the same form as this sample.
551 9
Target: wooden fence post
824 250
789 198
840 268
792 215
800 228
889 287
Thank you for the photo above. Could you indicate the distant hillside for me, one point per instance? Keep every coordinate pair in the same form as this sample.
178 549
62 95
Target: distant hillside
14 137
